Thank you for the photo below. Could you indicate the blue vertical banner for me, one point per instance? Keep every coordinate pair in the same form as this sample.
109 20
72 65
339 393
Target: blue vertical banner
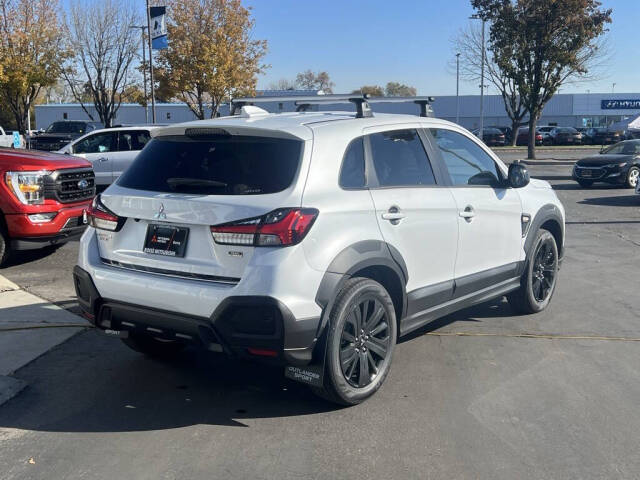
158 27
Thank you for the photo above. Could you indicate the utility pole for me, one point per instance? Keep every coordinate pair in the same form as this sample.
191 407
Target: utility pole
482 86
458 88
480 130
144 71
153 96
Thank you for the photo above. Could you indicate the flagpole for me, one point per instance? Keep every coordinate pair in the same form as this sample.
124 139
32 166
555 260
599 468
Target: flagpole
153 95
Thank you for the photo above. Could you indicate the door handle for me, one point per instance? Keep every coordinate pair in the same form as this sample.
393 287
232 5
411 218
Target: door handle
103 159
468 213
394 215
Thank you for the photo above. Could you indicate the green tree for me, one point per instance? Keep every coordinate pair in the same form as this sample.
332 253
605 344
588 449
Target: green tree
541 44
372 90
309 80
32 53
212 56
395 89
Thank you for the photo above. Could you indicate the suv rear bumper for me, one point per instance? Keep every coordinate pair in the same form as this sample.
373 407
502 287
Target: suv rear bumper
242 326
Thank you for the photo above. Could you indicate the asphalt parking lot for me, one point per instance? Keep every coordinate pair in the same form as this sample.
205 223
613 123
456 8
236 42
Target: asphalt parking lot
479 394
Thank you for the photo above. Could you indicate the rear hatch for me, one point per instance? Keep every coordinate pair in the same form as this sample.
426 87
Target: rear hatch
179 186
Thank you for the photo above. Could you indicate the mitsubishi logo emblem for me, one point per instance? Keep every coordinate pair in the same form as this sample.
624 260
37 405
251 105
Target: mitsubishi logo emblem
160 215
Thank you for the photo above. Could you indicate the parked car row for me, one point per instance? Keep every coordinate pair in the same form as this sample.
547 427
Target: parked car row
552 135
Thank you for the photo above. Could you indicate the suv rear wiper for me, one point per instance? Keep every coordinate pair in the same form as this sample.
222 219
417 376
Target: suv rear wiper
194 182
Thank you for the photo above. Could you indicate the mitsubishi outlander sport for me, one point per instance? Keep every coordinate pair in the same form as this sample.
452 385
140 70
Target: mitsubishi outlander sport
313 239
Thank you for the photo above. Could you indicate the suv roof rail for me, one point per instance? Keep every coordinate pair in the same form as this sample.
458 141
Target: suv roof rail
361 101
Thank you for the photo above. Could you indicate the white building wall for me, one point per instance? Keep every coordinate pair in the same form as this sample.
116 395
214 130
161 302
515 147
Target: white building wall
574 110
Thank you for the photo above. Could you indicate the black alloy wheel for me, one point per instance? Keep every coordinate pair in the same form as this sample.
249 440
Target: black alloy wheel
360 339
544 270
364 343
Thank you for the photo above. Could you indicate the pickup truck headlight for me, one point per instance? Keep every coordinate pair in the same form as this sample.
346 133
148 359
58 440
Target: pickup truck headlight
28 187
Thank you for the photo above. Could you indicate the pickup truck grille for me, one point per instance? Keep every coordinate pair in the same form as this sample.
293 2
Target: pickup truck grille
68 186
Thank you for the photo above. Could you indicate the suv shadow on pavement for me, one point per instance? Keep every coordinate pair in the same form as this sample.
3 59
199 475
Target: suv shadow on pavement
93 384
631 200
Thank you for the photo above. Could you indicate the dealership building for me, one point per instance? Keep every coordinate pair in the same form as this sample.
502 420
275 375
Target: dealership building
571 110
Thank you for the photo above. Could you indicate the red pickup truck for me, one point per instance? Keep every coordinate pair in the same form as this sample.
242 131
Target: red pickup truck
43 197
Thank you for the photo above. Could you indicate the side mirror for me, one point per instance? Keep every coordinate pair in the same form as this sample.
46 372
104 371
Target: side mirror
518 175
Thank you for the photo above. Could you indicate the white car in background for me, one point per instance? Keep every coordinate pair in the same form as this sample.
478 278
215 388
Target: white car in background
110 150
6 139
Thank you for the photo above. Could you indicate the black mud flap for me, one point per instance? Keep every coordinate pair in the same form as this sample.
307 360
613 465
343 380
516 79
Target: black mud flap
312 374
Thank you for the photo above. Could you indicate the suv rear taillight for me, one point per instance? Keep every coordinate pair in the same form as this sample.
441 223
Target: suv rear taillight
279 228
102 218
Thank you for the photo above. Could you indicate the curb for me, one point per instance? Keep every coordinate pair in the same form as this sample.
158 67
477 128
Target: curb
30 327
547 162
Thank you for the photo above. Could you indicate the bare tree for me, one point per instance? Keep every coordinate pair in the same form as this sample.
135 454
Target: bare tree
105 48
283 84
468 43
315 81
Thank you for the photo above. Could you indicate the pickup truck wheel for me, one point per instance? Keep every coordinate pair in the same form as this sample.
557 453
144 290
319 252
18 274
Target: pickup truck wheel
360 341
539 279
5 248
153 347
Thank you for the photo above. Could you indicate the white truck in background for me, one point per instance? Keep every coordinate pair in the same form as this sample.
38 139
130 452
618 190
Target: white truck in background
7 139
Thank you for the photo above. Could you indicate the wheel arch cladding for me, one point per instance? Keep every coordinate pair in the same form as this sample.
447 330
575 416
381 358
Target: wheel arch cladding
371 259
549 218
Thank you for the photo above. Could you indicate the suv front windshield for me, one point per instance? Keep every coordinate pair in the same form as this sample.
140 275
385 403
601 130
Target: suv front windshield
220 165
66 127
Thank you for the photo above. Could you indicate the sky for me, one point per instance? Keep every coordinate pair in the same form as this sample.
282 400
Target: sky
360 42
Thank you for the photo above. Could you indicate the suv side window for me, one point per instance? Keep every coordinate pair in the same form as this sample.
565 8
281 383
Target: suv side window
98 143
352 174
400 160
466 162
132 140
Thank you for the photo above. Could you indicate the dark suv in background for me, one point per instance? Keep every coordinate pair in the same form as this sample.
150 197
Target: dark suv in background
491 136
58 134
565 136
601 136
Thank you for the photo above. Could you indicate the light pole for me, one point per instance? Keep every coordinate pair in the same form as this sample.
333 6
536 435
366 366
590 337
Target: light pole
480 130
458 88
613 87
153 95
144 70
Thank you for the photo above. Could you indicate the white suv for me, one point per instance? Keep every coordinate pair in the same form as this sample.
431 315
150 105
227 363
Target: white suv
313 239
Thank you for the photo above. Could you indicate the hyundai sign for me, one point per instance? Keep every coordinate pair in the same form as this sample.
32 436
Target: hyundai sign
620 105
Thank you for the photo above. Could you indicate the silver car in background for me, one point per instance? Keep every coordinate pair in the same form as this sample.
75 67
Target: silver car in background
110 150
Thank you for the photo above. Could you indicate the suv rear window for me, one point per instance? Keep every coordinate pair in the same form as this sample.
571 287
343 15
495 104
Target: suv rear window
223 165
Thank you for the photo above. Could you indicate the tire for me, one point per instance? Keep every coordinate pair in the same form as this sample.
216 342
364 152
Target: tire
538 282
585 183
153 347
632 177
347 379
5 246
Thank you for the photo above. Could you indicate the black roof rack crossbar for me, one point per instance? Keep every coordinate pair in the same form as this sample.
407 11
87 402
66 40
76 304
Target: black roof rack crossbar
361 101
303 102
